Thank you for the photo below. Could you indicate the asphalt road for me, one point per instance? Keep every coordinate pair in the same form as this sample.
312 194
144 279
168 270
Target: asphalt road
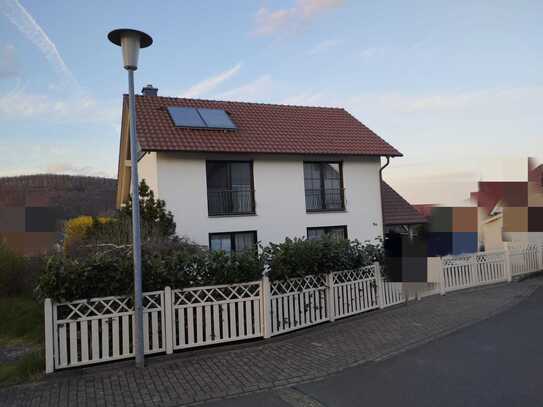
496 362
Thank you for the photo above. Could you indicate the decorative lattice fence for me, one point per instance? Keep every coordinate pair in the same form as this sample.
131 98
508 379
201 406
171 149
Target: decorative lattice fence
101 329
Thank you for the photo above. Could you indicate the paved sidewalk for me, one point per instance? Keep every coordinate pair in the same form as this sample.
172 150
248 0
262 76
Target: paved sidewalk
308 355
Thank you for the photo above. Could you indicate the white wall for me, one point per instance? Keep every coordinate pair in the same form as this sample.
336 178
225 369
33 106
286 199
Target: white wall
279 196
147 169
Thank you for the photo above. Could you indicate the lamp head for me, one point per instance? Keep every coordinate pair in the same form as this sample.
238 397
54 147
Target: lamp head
130 41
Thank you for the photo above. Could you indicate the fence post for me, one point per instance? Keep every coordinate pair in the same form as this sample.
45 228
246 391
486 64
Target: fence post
539 251
49 351
474 270
168 318
265 305
507 258
330 297
441 277
380 290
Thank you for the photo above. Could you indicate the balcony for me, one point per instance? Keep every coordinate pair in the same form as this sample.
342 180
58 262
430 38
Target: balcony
322 200
230 202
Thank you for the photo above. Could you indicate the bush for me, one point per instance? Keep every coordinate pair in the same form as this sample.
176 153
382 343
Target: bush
76 230
109 270
99 260
300 257
18 274
179 263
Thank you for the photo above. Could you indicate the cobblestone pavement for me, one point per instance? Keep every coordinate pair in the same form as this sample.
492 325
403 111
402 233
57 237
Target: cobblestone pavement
208 374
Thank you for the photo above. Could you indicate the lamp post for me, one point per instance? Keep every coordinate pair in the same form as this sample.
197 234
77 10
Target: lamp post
131 41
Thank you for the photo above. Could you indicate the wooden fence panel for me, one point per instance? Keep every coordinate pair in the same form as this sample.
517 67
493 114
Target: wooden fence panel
92 331
354 291
297 303
216 314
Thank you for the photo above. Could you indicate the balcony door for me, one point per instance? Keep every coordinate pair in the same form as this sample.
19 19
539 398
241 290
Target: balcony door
323 186
230 187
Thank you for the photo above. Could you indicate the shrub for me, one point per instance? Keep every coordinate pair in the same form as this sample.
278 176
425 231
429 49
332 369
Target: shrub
154 216
99 260
300 257
178 263
109 271
76 230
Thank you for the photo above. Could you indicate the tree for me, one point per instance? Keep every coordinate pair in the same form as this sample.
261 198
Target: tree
153 213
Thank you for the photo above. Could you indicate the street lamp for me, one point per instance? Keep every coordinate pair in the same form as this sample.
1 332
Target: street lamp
131 41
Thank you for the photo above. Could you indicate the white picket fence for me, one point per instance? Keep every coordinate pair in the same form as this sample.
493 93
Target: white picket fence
98 330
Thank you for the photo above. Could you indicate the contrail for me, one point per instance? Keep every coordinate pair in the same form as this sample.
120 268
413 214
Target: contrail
209 84
26 24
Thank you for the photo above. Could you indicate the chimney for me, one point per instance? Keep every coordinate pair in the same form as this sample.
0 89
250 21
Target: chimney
149 90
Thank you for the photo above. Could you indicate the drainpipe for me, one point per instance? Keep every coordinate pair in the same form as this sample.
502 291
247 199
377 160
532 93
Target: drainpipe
381 191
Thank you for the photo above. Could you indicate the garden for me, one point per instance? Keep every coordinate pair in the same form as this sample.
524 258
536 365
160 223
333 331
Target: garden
94 259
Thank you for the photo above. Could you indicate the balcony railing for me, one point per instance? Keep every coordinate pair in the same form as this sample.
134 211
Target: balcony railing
331 199
230 202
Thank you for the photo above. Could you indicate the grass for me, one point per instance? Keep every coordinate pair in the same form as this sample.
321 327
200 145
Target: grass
28 368
21 321
21 324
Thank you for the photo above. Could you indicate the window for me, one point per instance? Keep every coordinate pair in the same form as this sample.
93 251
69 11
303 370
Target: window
323 186
230 188
232 241
335 232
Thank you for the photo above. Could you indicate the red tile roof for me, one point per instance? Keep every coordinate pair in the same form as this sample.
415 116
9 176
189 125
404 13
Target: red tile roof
424 209
396 210
262 128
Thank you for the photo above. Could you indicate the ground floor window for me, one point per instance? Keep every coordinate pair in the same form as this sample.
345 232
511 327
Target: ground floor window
336 232
232 241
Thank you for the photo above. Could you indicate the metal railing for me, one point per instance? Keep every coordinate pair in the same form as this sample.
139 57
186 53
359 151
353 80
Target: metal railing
330 199
230 202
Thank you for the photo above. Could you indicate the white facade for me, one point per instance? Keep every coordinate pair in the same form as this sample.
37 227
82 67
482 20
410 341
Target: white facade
180 180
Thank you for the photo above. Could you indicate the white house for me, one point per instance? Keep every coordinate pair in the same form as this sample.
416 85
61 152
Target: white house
235 173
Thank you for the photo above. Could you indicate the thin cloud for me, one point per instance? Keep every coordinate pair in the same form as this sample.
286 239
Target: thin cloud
305 98
19 104
9 66
258 89
68 168
268 22
28 26
211 83
372 52
323 46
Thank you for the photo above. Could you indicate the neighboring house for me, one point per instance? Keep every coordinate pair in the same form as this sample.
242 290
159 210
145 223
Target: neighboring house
33 208
234 173
425 210
510 211
398 214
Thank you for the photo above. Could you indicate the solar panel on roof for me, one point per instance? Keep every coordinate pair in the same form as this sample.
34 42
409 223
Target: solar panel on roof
186 117
216 118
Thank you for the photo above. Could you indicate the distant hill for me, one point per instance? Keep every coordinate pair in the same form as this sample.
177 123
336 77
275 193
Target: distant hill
74 194
33 208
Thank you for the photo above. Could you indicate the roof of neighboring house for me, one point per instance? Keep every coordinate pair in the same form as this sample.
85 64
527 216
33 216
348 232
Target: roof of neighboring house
261 128
396 210
424 209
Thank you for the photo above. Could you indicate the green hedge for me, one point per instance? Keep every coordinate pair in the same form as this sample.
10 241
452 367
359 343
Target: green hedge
107 269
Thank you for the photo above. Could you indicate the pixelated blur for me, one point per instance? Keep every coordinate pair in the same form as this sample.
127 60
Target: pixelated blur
33 208
501 212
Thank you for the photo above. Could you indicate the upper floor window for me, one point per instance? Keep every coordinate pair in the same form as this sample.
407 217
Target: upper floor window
334 232
323 186
230 188
232 241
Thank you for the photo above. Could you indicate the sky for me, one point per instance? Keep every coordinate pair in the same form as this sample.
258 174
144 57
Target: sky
457 86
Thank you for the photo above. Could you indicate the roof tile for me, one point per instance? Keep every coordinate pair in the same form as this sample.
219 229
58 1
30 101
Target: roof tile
396 210
262 128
